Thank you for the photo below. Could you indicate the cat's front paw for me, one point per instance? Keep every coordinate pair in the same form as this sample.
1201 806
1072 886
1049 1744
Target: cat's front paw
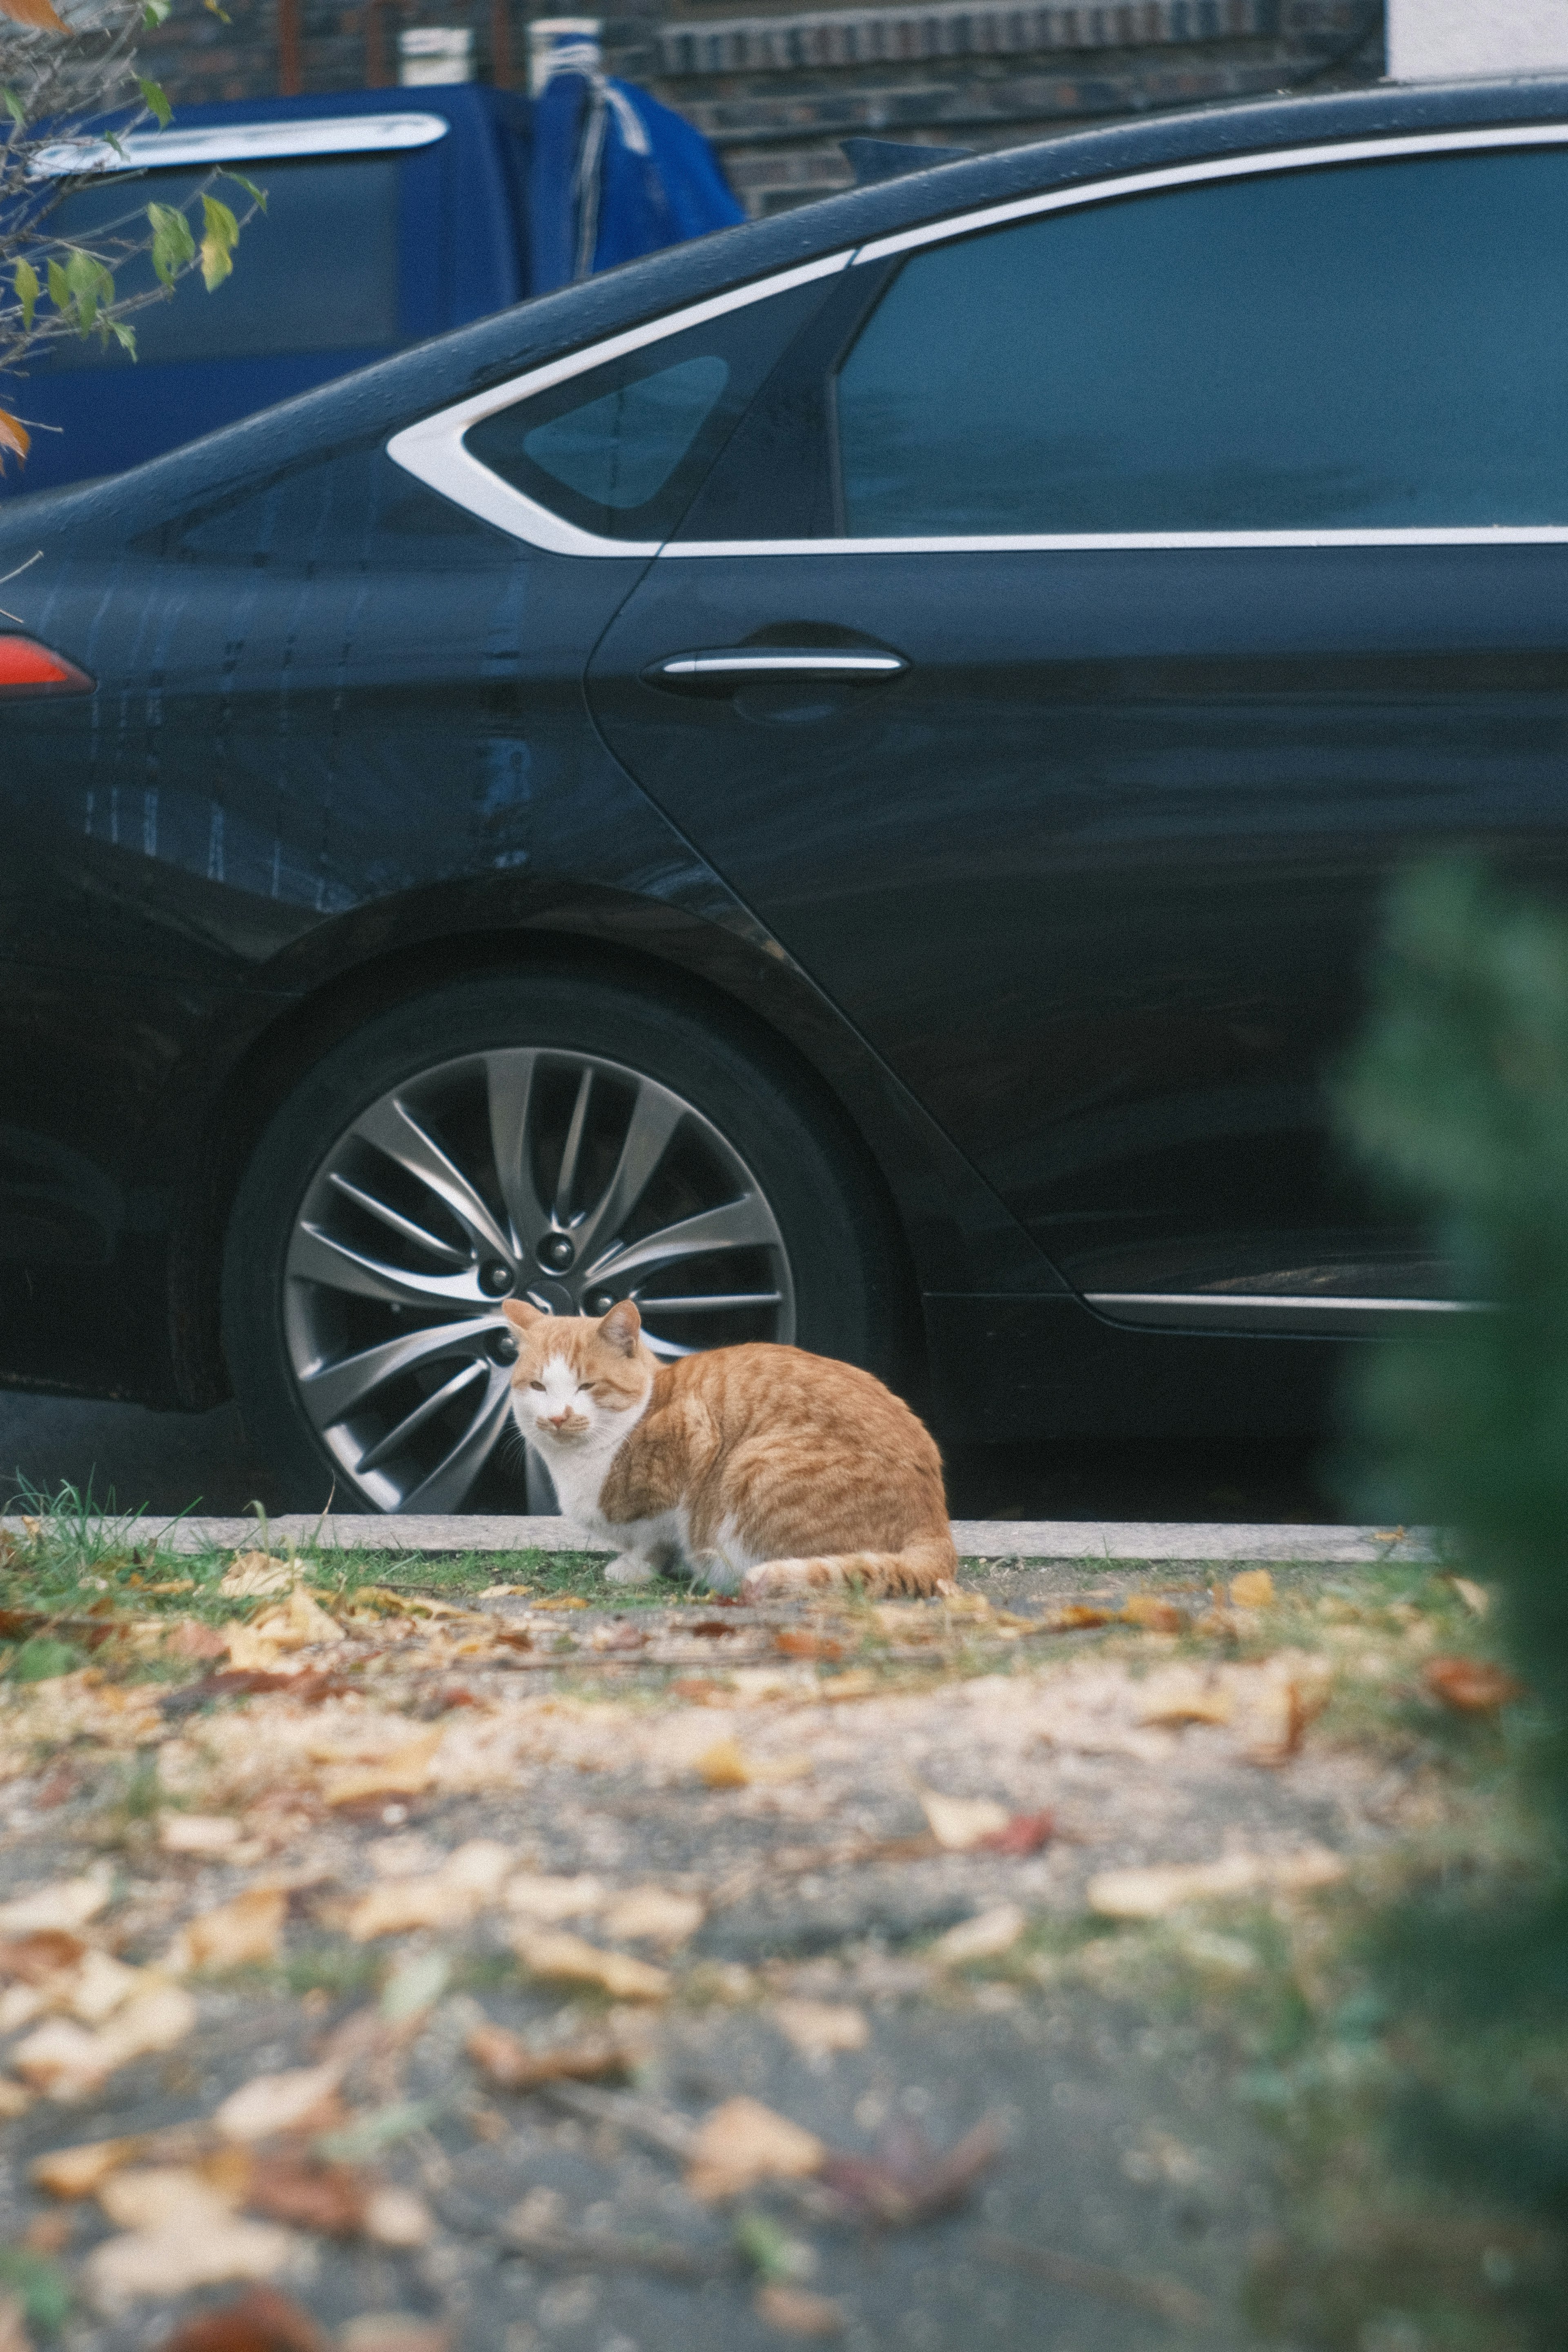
631 1568
714 1573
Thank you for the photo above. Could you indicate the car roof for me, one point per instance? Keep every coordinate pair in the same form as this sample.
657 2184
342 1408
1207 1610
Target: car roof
377 400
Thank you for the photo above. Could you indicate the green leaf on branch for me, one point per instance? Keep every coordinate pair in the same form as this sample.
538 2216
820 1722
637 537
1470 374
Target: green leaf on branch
173 246
221 13
123 335
79 288
24 278
153 12
15 108
258 195
221 236
154 99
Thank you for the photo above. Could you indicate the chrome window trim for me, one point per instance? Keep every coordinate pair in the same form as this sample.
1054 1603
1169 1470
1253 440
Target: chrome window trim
241 142
432 451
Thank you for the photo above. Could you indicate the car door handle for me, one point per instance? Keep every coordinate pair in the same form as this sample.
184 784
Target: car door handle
742 662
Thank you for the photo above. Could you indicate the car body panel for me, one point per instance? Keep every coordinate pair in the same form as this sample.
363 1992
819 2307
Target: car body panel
340 746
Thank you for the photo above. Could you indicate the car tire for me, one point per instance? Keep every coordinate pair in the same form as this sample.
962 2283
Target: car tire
374 1233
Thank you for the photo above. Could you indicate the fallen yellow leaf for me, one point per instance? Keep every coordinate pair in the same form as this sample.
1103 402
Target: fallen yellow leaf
68 2062
251 1653
1253 1588
197 1832
795 2311
741 2143
14 2100
1476 1597
253 1575
574 1960
653 1915
99 1986
243 1932
42 18
300 1624
1154 1614
72 2172
67 1903
405 1902
818 2028
159 2196
276 2102
1183 1696
726 1765
548 1899
980 1938
1151 1893
206 2249
960 1822
402 1774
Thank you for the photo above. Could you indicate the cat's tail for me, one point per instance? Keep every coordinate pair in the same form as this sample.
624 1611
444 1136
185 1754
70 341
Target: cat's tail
925 1566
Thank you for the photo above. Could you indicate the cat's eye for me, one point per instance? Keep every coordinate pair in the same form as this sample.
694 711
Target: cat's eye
537 1384
584 1385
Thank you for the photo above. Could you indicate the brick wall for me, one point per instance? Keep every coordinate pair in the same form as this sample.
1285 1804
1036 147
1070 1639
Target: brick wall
777 88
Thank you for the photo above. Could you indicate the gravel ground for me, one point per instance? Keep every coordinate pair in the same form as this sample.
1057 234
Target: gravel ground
1127 2186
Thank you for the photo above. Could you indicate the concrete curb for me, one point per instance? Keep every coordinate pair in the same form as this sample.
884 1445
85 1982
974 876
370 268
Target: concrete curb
1014 1539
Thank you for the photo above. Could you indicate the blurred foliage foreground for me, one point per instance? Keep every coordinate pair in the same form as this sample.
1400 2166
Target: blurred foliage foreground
1458 1100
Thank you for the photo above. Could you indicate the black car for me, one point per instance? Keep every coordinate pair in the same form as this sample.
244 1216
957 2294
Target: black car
835 782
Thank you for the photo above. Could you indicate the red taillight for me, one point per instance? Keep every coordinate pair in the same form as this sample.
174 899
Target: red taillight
25 665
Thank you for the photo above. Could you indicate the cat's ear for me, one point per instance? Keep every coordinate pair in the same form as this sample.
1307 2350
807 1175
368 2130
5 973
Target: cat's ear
519 1312
620 1328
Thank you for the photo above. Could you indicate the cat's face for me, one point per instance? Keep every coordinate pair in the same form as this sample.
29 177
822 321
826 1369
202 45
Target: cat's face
575 1378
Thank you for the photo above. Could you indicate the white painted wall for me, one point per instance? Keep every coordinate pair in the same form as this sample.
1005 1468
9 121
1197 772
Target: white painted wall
1436 40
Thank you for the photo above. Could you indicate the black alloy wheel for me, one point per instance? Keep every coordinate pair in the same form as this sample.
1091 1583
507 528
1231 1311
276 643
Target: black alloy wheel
542 1138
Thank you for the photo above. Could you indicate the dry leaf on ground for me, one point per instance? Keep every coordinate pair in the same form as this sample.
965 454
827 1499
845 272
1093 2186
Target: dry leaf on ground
1291 1693
511 2064
1183 1696
198 1832
1476 1597
818 2028
14 2100
402 1774
980 1938
246 1932
1150 1894
726 1765
268 2104
653 1915
1471 1685
261 2321
65 1903
97 1987
1023 1833
190 1639
906 2181
68 2062
254 1575
202 2252
300 1624
34 1960
574 1960
405 1902
794 2311
1154 1614
392 2331
549 1899
958 1822
163 2196
1253 1588
78 2171
14 2336
307 2193
742 2143
251 1653
397 2217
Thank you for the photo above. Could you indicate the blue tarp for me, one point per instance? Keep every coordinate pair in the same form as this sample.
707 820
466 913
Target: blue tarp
615 174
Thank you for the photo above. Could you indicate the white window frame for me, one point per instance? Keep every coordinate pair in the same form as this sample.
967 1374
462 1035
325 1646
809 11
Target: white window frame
433 449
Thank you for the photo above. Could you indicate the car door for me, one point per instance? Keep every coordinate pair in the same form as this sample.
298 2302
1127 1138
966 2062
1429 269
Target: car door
1102 601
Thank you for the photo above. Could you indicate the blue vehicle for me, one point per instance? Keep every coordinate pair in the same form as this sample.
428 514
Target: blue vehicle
391 216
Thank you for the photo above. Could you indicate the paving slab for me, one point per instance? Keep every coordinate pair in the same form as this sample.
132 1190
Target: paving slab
1153 1543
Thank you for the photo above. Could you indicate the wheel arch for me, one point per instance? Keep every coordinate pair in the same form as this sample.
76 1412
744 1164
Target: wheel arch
731 983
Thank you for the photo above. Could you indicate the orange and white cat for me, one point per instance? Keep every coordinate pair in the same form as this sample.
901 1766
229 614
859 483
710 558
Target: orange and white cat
763 1470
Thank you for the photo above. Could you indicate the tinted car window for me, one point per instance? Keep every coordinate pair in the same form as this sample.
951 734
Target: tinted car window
1377 345
620 449
316 272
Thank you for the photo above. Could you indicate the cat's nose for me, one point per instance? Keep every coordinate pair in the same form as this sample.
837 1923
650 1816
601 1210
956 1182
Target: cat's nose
559 1419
